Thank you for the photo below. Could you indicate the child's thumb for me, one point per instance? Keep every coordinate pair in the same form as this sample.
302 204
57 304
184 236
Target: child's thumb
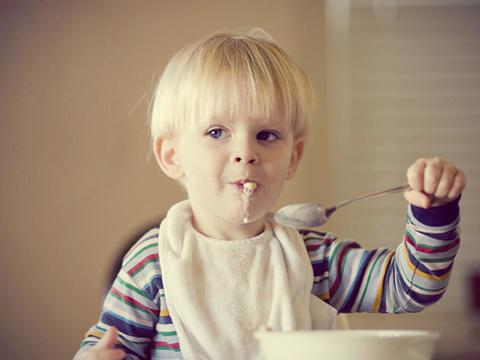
109 339
417 198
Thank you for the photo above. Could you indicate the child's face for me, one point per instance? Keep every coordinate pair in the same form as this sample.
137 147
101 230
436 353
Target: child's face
214 160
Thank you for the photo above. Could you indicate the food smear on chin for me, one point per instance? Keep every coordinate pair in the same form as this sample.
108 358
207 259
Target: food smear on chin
248 189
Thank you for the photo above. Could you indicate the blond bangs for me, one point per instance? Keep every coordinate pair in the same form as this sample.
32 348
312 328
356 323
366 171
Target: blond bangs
231 75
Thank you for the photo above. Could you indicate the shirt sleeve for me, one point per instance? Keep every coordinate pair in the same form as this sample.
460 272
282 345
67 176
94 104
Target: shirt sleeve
132 304
407 279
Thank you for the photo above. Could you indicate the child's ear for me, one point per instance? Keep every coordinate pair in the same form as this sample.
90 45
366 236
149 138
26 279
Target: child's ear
166 153
297 154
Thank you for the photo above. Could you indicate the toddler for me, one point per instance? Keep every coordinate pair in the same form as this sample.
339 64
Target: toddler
229 122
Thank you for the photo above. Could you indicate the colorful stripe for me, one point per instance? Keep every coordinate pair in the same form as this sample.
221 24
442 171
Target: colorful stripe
138 267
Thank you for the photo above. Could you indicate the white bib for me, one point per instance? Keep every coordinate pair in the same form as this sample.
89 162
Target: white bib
218 292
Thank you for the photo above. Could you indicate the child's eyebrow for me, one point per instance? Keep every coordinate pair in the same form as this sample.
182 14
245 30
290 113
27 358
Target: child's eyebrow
261 122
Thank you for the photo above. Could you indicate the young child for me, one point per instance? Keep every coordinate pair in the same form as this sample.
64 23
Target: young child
229 122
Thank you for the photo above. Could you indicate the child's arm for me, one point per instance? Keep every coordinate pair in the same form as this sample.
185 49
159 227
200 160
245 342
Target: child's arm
132 304
408 279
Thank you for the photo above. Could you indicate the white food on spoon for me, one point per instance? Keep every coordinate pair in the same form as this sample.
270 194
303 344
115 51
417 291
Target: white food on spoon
301 215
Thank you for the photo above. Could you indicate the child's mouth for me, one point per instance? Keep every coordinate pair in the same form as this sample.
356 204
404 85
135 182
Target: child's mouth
247 187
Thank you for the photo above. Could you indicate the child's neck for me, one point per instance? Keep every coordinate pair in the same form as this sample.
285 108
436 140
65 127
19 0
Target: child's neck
227 231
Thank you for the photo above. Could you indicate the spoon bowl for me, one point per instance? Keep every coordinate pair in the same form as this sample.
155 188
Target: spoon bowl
302 215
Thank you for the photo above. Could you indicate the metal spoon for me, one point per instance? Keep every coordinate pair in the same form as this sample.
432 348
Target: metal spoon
312 214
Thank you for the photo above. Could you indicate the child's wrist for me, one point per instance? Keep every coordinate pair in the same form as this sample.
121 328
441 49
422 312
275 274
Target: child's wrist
437 215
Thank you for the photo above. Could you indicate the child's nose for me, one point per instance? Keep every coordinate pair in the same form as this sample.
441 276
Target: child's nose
245 154
247 159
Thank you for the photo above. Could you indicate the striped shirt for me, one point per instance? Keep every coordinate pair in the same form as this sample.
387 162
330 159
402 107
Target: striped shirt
346 276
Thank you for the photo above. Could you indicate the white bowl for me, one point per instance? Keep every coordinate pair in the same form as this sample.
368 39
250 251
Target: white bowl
347 344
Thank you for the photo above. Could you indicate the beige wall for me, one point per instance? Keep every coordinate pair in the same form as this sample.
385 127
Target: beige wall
77 180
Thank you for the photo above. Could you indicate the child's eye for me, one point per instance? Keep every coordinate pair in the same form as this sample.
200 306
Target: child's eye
267 136
216 133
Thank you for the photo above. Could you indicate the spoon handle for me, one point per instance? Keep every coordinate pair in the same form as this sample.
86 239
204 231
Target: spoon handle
400 188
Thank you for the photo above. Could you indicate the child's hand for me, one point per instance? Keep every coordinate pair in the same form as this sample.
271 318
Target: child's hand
104 349
433 182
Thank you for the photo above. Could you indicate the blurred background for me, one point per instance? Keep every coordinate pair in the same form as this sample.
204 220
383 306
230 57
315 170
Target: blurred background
396 80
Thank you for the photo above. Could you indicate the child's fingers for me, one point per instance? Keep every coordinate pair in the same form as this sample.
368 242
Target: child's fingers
445 181
102 354
433 182
457 186
432 175
105 348
108 340
116 354
417 198
415 175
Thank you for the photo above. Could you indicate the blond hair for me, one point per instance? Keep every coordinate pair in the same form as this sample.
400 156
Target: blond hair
230 74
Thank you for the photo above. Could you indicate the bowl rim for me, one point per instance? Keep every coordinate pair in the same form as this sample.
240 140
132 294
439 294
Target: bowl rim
354 333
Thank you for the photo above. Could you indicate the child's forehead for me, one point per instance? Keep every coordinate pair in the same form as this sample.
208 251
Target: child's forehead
234 102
